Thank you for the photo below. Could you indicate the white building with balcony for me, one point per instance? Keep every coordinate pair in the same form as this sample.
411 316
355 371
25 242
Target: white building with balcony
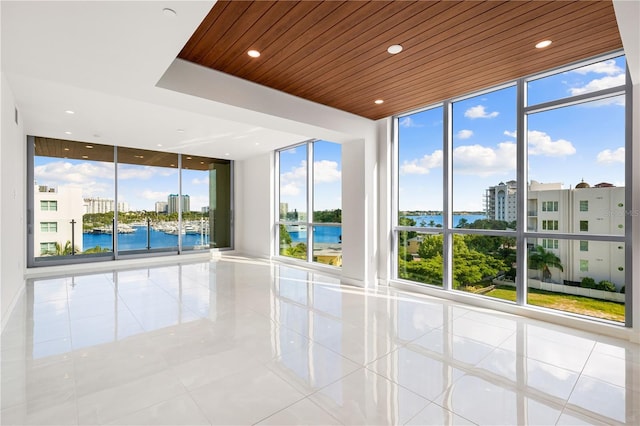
584 210
56 212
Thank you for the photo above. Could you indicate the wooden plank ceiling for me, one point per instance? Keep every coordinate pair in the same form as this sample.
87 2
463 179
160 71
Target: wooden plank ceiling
335 52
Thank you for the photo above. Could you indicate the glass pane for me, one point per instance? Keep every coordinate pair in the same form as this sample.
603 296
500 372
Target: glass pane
584 79
207 182
195 184
293 184
420 257
147 180
485 265
420 168
327 182
484 159
582 277
293 240
73 198
576 158
327 245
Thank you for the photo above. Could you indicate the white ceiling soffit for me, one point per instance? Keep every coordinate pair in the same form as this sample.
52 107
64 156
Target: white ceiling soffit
628 17
103 60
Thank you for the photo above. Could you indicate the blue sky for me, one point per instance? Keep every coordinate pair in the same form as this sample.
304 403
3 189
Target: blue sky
566 145
139 186
327 176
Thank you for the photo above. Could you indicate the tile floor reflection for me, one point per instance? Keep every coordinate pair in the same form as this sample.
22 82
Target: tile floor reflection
237 341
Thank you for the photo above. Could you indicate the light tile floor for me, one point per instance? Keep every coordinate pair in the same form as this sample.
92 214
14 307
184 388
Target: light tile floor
237 341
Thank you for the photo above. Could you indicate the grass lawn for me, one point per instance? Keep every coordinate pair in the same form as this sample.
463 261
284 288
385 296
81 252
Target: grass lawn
565 302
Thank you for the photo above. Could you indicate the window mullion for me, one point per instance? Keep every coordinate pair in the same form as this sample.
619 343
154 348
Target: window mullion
521 195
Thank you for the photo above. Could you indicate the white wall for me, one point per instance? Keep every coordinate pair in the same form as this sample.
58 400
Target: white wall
385 171
254 206
13 201
635 214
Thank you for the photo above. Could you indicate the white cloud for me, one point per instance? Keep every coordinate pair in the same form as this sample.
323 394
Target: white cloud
409 122
203 181
422 166
478 111
465 134
610 157
326 171
154 195
289 189
293 181
197 202
95 179
66 172
599 84
541 144
483 160
608 67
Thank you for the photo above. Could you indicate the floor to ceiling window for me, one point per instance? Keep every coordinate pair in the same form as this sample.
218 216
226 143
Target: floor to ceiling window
518 193
164 202
309 202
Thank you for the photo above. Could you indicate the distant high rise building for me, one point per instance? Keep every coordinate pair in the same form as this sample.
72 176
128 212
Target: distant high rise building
500 201
172 202
103 205
284 209
162 206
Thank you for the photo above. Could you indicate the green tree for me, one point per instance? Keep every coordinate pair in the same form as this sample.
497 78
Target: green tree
328 216
298 251
403 236
543 260
285 237
64 251
470 266
96 249
462 223
428 271
489 224
430 246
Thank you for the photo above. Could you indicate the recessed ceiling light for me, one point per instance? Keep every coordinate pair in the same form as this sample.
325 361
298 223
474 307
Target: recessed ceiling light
66 149
180 130
85 156
67 133
159 144
543 44
169 12
70 112
253 53
378 101
172 165
257 143
226 153
89 146
202 162
188 158
394 48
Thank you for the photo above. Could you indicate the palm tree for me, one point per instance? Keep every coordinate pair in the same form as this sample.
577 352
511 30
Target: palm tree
541 259
66 251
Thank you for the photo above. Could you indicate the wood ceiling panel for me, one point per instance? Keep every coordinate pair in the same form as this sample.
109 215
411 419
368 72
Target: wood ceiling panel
334 52
501 62
448 54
